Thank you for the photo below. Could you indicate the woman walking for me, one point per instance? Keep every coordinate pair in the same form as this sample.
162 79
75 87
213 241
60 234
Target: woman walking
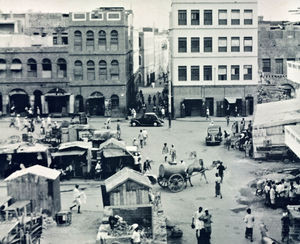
218 186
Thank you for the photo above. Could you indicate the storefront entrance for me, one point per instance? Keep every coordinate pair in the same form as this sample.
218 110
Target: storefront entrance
18 100
95 104
193 107
57 100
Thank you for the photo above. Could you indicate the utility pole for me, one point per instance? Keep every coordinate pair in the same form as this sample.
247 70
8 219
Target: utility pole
169 101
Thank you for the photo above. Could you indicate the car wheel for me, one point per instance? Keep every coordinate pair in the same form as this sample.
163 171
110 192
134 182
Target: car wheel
133 124
155 124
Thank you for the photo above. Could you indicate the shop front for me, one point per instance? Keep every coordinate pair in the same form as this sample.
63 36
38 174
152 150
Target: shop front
95 104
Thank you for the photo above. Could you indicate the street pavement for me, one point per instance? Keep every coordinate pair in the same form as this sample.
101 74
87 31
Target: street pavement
187 135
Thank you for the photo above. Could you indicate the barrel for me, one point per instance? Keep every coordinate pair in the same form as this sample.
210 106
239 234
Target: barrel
166 170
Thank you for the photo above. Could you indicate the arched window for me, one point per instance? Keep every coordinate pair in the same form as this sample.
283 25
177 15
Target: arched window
114 40
16 68
31 68
90 70
102 40
77 41
3 68
114 71
102 70
114 101
46 68
61 68
78 70
90 41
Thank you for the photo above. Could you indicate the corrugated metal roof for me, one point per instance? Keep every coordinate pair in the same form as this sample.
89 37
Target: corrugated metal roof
113 143
277 113
123 175
39 170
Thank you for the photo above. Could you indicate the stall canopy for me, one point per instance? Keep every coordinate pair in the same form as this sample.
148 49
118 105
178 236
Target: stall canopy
68 153
103 135
38 170
113 148
75 144
277 113
22 147
232 99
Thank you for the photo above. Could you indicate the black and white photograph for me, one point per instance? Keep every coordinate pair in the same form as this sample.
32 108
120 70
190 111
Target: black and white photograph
149 121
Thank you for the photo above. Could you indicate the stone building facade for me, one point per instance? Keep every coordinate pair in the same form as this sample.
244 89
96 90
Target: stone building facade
213 57
67 63
279 42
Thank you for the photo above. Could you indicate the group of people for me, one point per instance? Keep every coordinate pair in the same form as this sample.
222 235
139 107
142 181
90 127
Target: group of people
201 222
281 193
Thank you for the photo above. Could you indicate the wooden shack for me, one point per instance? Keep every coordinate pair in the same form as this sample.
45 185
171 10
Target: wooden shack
269 124
126 187
38 184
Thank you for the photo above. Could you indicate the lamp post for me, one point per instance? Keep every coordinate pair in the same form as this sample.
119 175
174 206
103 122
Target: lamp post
169 101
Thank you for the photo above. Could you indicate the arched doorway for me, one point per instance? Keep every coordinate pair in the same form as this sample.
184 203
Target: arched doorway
18 100
289 90
37 101
57 100
95 104
78 106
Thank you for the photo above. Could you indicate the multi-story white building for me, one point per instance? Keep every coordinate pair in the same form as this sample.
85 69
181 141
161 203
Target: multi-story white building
213 56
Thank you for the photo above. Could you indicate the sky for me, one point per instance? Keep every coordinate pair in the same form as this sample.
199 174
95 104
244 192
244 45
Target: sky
146 12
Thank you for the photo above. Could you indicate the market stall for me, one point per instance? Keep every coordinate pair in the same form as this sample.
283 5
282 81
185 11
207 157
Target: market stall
74 158
101 136
114 157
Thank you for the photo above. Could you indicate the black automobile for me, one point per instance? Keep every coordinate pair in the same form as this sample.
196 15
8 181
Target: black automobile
148 119
214 135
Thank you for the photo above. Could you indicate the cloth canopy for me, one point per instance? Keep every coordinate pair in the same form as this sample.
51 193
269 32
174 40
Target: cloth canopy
68 153
232 99
112 153
16 67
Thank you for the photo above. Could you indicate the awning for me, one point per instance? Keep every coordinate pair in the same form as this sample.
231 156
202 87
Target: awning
68 153
57 94
2 66
16 67
232 99
193 98
112 153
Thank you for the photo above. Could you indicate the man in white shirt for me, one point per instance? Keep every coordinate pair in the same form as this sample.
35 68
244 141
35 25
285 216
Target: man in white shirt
198 223
77 200
136 235
145 135
249 220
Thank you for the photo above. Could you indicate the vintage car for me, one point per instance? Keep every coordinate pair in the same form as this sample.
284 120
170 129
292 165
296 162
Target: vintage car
148 119
214 135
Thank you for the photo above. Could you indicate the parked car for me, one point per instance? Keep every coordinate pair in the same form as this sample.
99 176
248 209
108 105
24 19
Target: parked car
214 135
148 119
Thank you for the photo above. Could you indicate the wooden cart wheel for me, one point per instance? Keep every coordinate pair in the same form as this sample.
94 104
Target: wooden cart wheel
176 183
163 182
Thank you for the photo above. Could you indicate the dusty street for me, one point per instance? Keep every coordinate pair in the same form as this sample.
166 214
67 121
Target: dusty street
187 136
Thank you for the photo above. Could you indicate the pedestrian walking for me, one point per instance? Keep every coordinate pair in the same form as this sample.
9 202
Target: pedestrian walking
146 165
221 168
202 170
249 220
173 153
218 186
242 127
141 139
77 198
163 112
149 99
207 113
227 120
154 100
145 136
198 225
285 227
207 225
119 130
273 196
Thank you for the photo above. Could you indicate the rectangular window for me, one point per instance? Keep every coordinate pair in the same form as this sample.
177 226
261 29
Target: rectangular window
247 72
222 72
195 17
235 44
181 17
248 17
55 40
96 16
208 17
207 44
207 72
182 73
235 17
195 73
248 43
235 72
290 59
195 44
266 65
222 44
113 16
182 44
222 17
79 16
279 66
64 40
